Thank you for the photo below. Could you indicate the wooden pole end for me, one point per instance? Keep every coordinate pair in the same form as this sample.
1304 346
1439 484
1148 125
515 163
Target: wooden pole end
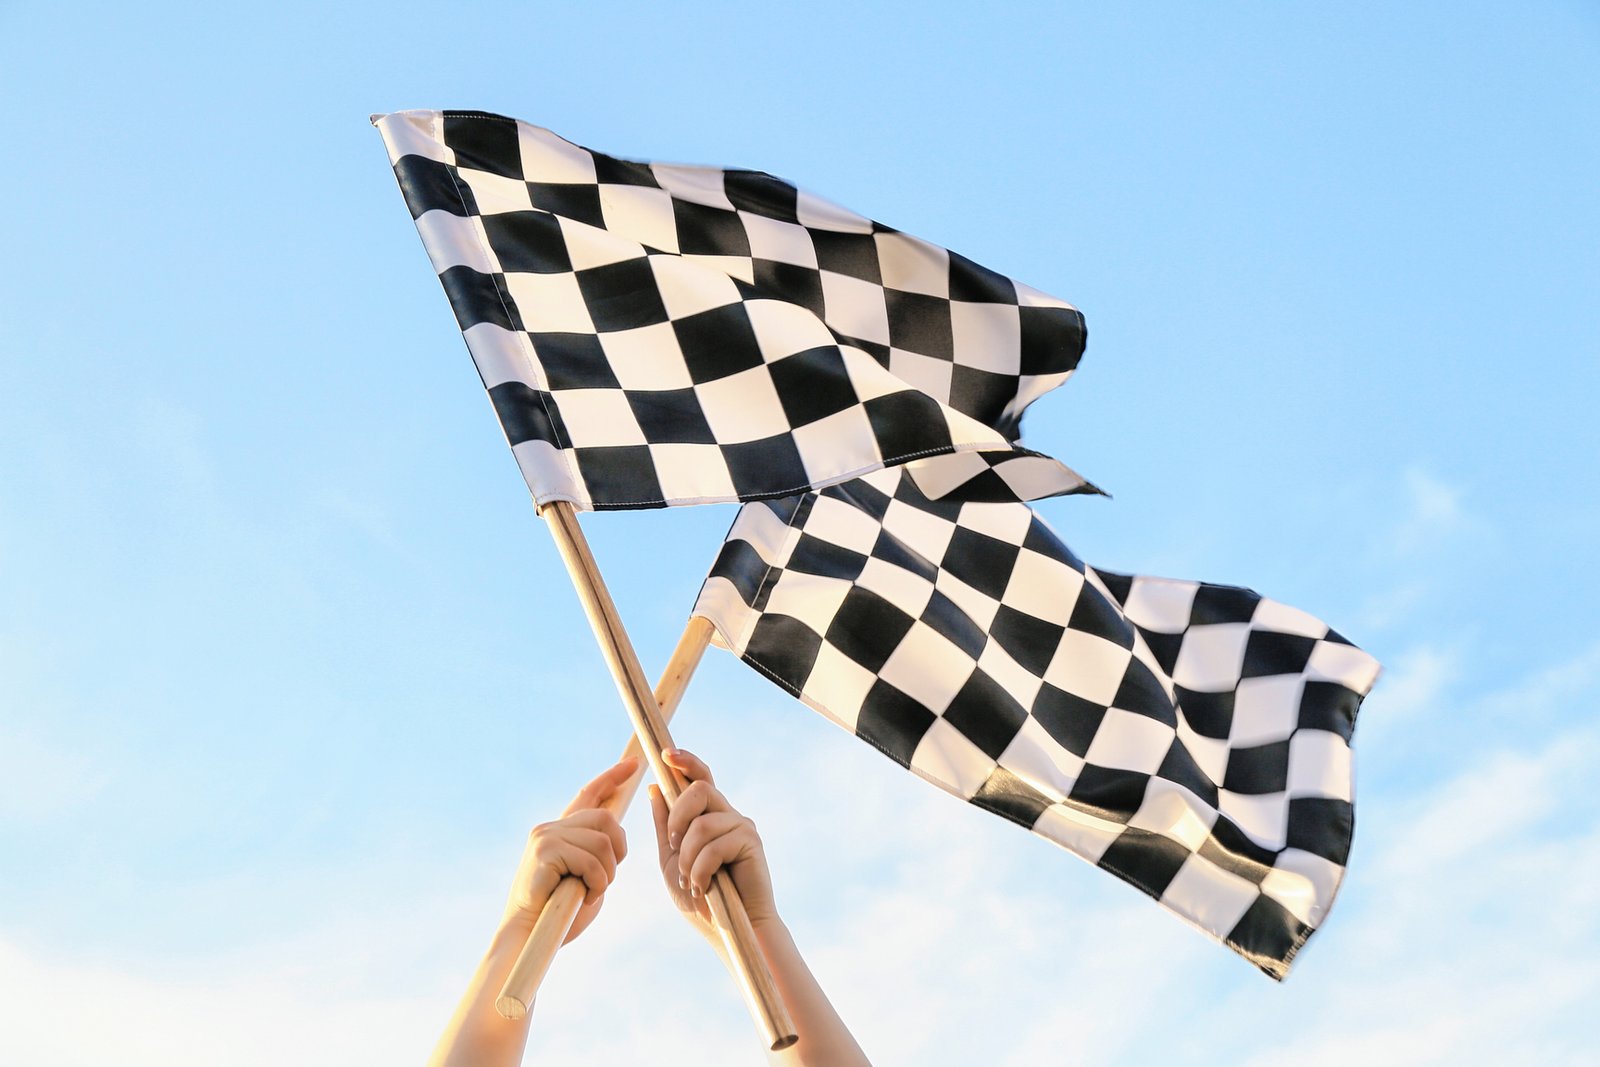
512 1008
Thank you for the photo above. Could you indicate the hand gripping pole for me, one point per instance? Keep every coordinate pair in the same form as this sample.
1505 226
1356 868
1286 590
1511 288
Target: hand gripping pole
550 931
650 729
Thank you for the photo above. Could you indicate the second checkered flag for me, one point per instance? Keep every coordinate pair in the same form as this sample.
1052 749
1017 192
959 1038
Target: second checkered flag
1192 739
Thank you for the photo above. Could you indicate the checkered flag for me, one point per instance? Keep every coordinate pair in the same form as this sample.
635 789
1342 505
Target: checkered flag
1192 739
654 334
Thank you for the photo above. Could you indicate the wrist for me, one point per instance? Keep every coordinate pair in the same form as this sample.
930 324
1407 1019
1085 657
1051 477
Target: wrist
771 935
515 927
768 926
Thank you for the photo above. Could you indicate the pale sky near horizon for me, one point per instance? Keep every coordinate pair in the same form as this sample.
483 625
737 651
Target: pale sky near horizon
288 665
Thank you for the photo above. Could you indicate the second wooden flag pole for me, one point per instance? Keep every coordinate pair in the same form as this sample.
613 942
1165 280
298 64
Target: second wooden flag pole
727 910
550 931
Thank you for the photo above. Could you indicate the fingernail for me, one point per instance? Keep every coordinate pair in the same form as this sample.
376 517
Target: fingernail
673 839
683 883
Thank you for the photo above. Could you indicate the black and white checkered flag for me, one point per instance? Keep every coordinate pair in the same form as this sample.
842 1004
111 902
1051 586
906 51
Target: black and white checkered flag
654 334
1192 739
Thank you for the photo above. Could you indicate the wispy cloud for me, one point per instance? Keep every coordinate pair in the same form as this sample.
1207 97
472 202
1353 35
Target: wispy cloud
1413 684
1433 511
1477 941
1391 605
81 1014
1550 688
40 779
1429 523
1467 934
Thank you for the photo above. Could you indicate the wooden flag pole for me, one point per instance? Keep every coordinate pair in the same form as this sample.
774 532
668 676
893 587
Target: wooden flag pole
727 910
550 931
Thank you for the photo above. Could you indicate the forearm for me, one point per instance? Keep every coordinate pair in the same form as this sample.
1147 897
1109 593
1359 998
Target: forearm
478 1035
824 1039
702 832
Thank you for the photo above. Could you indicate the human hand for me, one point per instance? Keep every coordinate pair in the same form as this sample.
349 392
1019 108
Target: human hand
586 841
701 834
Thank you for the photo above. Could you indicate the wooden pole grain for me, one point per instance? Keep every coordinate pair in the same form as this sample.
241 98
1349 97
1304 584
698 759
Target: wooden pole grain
550 931
727 910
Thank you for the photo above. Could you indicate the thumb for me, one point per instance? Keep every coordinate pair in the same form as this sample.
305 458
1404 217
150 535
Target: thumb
603 785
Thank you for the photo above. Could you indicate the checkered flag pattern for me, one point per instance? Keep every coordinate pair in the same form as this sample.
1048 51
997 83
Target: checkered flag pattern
1192 739
656 334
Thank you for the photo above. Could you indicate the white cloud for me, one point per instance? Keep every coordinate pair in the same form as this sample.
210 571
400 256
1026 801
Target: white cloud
1433 512
913 915
944 935
1475 939
40 779
1407 558
1550 689
67 1013
1412 686
1391 605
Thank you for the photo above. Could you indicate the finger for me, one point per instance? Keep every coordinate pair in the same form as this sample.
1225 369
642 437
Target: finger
658 808
606 823
693 802
701 832
688 764
600 788
720 852
585 916
588 854
589 867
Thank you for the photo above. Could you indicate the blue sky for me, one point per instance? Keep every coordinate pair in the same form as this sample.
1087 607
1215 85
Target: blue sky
288 665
